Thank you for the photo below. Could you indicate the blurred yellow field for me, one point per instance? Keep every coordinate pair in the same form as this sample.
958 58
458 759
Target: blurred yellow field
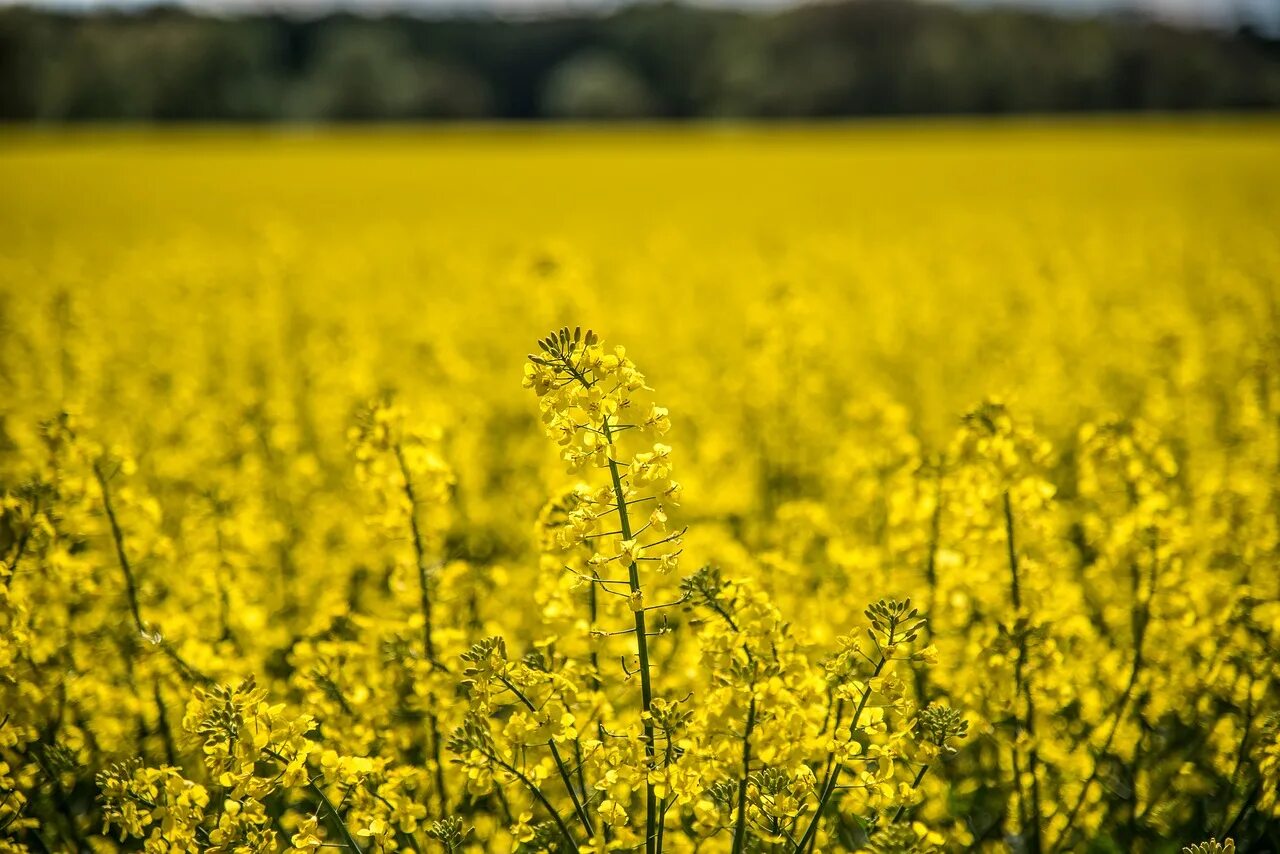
270 480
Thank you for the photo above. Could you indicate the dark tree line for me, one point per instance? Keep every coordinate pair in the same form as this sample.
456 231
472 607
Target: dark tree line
860 57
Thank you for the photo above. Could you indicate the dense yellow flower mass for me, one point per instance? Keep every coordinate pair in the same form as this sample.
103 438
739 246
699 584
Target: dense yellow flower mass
900 488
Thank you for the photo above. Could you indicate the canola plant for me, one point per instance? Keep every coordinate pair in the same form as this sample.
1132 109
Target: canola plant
892 488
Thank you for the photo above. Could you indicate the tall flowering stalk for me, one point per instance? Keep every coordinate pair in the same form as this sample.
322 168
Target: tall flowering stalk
589 403
894 627
746 734
1005 460
1125 474
410 480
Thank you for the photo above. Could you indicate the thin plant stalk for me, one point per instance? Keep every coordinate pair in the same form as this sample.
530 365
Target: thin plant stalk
131 587
344 832
428 642
578 805
740 829
642 651
117 536
915 784
833 776
1026 721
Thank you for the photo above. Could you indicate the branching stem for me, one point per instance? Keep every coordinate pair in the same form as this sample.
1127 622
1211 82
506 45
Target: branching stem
578 806
833 775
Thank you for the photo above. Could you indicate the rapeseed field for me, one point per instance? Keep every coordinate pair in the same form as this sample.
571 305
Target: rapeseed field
890 487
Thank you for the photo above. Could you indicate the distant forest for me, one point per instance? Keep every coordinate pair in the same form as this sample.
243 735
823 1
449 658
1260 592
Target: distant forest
854 58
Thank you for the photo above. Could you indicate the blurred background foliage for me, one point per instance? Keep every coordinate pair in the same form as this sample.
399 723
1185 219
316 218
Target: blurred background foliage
667 61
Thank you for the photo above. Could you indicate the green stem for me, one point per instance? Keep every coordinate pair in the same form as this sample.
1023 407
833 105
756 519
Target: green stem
130 583
578 764
1026 721
642 651
21 548
1102 752
339 825
131 588
665 803
915 784
931 580
542 799
740 829
592 613
1241 753
833 776
428 643
578 806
